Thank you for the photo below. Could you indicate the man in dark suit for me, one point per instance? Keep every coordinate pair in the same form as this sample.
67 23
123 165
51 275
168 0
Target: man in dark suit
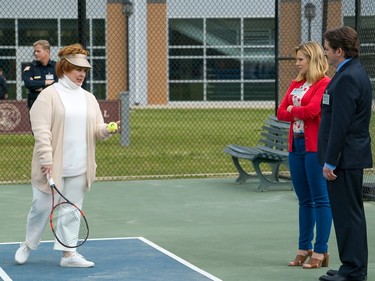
344 150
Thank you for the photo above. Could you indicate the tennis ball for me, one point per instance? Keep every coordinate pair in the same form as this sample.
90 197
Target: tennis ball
112 127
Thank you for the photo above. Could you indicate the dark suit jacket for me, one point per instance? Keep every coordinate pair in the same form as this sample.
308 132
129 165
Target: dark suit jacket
344 139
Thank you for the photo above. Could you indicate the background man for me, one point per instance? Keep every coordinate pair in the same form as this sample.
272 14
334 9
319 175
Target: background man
3 86
40 73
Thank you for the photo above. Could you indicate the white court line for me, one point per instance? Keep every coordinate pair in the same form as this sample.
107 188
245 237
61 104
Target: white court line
166 252
184 262
92 239
4 276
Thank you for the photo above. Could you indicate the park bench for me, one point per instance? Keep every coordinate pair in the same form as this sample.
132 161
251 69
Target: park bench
272 148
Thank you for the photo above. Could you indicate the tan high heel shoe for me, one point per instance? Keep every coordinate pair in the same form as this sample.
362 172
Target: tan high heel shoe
300 258
315 262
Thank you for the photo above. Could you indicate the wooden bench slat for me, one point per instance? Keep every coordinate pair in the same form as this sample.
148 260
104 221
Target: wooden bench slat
275 138
278 124
276 145
276 131
242 149
280 153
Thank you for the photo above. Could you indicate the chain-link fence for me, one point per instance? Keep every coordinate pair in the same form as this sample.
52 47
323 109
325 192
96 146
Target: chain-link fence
186 78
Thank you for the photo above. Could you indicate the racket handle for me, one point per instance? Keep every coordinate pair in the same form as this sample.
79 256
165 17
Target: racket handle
50 180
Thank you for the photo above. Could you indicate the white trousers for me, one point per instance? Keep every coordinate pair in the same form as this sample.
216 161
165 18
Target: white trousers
72 188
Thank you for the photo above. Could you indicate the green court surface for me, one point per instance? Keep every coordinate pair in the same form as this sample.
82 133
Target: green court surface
228 230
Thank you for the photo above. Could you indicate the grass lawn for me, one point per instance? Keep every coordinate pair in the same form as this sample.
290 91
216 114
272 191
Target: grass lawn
163 142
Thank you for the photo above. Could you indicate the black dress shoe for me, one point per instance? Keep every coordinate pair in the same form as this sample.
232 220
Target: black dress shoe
332 272
332 278
336 277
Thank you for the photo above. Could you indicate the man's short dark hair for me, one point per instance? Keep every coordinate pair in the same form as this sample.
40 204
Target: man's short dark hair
345 38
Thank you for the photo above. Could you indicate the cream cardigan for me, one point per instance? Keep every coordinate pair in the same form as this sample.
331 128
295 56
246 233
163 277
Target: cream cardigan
47 117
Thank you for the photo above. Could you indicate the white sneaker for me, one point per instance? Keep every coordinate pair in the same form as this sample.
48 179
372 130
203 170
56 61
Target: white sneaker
75 260
22 254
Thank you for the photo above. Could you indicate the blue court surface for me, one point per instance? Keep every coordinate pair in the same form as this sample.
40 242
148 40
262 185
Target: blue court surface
128 259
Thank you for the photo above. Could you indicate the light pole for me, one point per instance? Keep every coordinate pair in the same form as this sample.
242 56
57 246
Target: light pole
128 10
128 7
310 13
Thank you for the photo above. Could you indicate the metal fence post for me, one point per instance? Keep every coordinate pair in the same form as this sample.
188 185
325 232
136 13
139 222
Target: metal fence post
125 119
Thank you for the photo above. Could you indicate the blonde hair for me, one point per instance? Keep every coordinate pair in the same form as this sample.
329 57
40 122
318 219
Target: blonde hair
318 65
44 43
63 65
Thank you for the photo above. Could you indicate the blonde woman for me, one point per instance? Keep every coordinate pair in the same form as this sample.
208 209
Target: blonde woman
301 106
66 121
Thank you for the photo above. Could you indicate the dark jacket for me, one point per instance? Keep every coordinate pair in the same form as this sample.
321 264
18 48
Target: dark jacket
344 139
35 75
3 87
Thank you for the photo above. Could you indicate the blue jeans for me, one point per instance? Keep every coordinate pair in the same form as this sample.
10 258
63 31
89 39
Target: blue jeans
311 189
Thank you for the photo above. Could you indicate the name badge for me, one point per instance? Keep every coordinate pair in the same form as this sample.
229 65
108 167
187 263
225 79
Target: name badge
326 99
49 77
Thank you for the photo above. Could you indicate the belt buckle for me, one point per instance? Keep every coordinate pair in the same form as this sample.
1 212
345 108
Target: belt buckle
298 135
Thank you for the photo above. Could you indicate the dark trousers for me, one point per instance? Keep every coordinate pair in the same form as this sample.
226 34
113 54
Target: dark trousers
31 98
345 194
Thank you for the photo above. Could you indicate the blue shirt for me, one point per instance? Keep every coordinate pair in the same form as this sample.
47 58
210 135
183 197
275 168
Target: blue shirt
342 63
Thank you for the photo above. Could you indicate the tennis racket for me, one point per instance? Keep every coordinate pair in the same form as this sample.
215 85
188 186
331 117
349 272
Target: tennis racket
68 222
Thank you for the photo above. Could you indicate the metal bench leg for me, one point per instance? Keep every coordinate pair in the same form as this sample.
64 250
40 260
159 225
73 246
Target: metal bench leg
242 175
264 181
275 172
273 179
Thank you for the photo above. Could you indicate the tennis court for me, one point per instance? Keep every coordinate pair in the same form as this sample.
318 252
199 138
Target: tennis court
130 259
187 229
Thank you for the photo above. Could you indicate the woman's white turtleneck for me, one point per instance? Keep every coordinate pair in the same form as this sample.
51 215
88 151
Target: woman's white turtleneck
75 143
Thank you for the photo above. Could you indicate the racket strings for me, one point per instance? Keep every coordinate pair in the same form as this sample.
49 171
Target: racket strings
69 225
